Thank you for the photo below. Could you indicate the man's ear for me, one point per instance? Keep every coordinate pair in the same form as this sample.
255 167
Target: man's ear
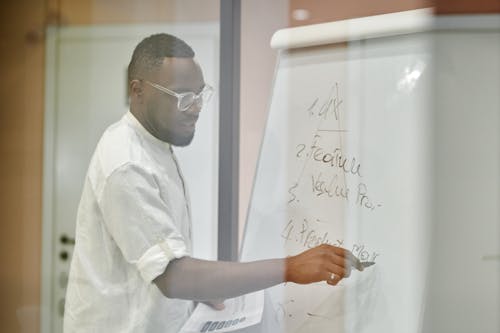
136 89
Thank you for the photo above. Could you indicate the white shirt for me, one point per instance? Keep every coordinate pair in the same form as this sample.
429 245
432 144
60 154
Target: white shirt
132 220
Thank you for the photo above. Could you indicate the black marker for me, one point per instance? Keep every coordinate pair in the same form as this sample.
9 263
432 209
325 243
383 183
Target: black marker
367 263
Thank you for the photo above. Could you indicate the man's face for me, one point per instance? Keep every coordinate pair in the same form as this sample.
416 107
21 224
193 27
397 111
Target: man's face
166 121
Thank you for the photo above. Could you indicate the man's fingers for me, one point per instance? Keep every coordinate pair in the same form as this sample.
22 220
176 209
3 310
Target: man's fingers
352 261
323 263
346 262
346 255
216 305
339 251
336 259
333 279
338 271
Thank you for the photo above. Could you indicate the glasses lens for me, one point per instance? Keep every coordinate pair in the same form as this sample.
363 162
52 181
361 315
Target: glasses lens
186 101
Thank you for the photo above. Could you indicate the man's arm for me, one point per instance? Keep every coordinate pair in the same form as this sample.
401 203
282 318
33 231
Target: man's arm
201 280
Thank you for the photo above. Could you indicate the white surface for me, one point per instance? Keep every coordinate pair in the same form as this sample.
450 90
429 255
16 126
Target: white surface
439 122
354 29
239 312
464 288
86 92
383 114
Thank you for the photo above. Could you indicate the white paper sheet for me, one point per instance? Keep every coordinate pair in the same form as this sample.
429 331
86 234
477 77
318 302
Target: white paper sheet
240 312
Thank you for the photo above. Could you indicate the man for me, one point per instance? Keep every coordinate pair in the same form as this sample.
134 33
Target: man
131 269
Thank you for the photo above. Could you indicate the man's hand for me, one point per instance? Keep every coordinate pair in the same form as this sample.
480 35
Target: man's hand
201 280
321 264
216 305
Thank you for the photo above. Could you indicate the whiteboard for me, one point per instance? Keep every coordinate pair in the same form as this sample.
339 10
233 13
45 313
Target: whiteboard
345 161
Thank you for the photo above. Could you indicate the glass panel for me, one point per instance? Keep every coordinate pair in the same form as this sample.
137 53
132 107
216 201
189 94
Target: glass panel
378 136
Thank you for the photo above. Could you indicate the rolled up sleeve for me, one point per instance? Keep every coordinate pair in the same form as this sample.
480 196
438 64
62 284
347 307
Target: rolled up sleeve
140 221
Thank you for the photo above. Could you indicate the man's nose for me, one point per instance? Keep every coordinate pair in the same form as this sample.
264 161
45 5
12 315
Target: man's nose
194 109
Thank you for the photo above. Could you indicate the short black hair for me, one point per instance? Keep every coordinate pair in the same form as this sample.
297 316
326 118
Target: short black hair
149 54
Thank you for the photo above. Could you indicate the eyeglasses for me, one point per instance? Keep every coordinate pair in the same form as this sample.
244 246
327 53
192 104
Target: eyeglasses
187 99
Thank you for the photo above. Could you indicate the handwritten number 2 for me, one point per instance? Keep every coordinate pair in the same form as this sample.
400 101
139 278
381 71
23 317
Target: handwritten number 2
301 149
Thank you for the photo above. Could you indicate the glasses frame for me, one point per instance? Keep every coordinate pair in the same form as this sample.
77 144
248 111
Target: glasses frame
206 89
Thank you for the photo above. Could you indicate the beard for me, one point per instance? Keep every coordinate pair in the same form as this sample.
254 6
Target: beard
181 140
172 130
178 136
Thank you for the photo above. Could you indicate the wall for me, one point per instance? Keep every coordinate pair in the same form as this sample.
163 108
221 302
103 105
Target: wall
445 7
21 128
328 11
257 71
77 12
